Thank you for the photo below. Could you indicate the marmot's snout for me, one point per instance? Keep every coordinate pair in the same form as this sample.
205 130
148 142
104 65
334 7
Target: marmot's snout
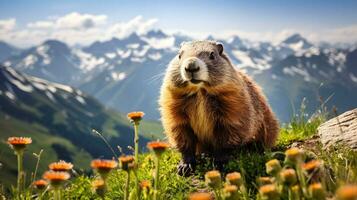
194 70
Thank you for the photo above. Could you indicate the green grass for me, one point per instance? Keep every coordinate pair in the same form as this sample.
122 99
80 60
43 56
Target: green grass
340 166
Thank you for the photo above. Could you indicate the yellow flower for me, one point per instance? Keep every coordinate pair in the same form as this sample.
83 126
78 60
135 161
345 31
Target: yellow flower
234 178
99 187
288 176
60 166
56 178
40 184
265 180
347 192
213 178
157 147
293 155
19 143
316 191
295 191
126 162
273 167
135 116
200 196
311 166
269 192
230 192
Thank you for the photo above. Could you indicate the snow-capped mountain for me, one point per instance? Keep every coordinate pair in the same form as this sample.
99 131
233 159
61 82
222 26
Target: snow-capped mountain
126 73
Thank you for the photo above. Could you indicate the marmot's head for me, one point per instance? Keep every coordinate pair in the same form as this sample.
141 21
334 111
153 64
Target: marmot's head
199 63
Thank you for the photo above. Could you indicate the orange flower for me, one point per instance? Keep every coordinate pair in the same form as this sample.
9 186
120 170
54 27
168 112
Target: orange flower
213 178
103 164
145 185
135 116
311 166
60 166
347 192
103 167
234 178
264 180
40 184
288 176
200 196
158 147
56 178
269 191
316 191
126 162
19 143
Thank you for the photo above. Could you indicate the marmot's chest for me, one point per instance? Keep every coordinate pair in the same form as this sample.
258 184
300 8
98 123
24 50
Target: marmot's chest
202 117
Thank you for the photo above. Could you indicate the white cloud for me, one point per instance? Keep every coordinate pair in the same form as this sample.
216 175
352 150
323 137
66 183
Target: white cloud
82 28
41 25
80 21
137 24
7 24
73 28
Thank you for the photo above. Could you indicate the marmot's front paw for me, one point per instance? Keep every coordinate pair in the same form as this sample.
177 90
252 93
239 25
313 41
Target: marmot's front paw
186 168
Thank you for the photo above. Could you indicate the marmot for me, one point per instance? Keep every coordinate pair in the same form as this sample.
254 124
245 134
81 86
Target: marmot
207 106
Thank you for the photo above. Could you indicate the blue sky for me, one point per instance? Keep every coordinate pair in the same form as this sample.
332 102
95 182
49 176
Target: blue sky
253 19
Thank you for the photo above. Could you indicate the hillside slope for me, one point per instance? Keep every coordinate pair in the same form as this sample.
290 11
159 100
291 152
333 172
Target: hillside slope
59 119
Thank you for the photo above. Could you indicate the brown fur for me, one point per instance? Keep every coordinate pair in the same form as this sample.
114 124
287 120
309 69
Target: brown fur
214 117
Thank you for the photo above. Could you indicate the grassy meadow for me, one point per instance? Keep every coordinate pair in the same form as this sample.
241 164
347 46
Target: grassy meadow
297 168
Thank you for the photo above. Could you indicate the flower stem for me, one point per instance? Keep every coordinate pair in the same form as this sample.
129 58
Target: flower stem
156 176
57 194
126 194
19 171
136 141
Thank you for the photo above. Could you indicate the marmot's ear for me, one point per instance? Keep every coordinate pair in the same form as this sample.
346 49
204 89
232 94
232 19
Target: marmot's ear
220 48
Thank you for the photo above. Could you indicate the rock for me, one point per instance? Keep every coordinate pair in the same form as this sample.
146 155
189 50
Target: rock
340 130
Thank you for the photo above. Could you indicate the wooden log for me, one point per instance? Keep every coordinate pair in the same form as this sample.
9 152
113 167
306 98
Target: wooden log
340 130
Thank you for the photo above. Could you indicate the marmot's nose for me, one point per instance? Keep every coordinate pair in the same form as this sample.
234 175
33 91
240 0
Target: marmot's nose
192 67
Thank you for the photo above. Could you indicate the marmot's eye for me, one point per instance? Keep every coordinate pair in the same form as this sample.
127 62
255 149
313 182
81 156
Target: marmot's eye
212 56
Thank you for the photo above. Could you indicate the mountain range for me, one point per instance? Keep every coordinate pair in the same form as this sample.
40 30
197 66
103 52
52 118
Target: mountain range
59 119
126 74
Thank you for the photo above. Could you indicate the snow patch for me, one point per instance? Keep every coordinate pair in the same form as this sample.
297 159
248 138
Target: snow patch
118 76
50 96
80 99
299 71
133 46
142 52
139 60
43 52
10 95
7 63
111 55
29 60
161 43
353 77
124 54
88 61
21 86
243 57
